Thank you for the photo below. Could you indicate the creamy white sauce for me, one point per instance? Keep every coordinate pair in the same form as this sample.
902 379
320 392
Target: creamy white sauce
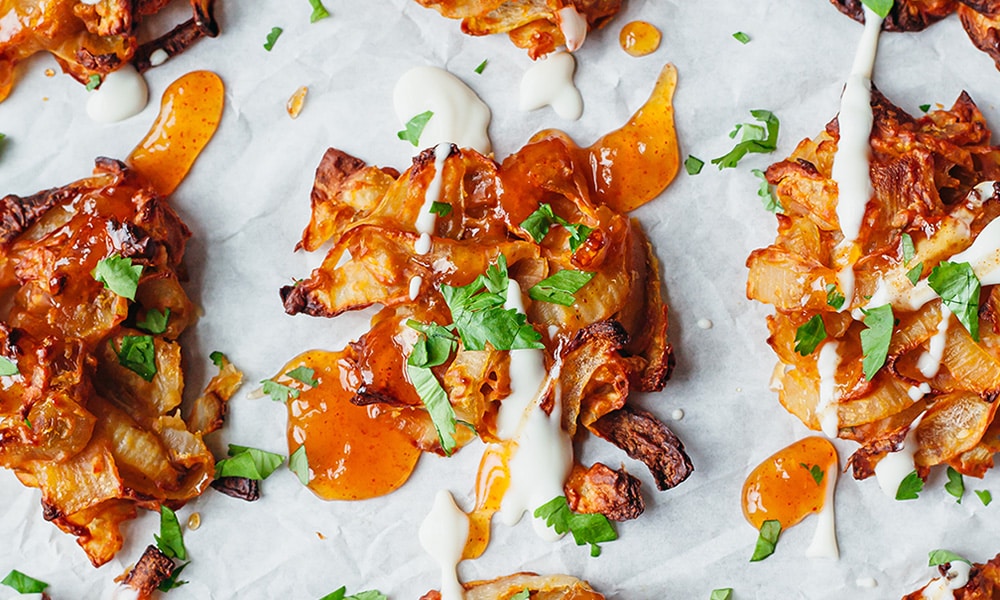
826 408
443 535
824 542
573 26
929 362
941 588
916 392
123 94
415 282
705 324
121 592
895 466
549 82
427 220
158 57
460 116
678 414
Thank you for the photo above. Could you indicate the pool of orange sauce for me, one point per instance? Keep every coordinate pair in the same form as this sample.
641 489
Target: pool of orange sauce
639 38
354 452
782 488
492 482
189 115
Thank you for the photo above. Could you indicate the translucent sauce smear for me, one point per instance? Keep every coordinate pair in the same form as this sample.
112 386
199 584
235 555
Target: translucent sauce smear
639 38
189 115
783 487
369 456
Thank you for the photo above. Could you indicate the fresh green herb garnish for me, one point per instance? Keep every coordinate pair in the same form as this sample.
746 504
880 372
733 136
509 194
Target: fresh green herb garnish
250 463
171 582
958 287
985 497
272 37
415 127
138 354
955 485
875 338
441 209
298 462
766 194
23 584
834 298
482 65
815 471
590 529
434 347
340 594
770 531
879 7
941 557
914 274
559 288
278 391
522 595
755 138
741 37
155 321
93 81
319 11
118 274
910 487
436 402
217 358
722 594
539 222
908 250
8 367
170 541
809 335
304 375
925 107
693 165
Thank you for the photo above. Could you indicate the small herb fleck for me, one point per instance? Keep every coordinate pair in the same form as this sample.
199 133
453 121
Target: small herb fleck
272 37
479 69
693 165
741 37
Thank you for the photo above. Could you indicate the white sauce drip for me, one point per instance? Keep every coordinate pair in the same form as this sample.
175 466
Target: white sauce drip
893 469
122 592
705 323
824 542
415 282
573 26
443 535
427 220
917 392
549 82
929 362
678 414
460 116
158 57
123 94
940 588
826 407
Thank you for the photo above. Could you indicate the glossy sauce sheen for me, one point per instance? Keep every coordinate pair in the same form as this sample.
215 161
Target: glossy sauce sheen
189 115
639 38
354 452
781 489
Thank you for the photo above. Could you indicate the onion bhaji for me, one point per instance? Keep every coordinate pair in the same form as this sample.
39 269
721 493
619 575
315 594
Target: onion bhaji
91 392
610 340
927 205
91 38
539 587
534 25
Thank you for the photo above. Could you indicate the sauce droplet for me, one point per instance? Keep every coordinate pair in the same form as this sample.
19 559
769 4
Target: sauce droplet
295 103
785 488
639 38
355 452
189 115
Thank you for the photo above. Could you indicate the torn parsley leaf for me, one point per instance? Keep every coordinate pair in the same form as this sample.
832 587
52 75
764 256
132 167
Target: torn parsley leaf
434 347
298 462
693 165
154 321
319 11
755 138
910 487
340 594
522 595
118 274
138 354
985 497
218 358
722 594
809 335
441 209
170 541
560 287
250 463
914 274
539 222
741 37
171 582
955 485
766 194
941 557
304 375
767 540
879 7
415 127
815 471
482 65
958 287
907 246
879 323
436 402
8 367
834 298
272 37
925 107
23 584
279 392
93 81
590 529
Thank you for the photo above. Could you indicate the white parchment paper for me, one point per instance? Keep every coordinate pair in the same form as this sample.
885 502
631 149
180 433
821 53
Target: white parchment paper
247 200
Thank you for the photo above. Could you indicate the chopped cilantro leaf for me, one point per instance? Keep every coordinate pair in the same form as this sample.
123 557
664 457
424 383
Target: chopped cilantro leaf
559 288
834 298
875 338
906 242
8 367
941 557
170 541
415 127
340 594
914 274
755 138
250 463
138 354
879 7
815 471
154 321
955 485
925 107
958 287
441 209
910 487
118 274
171 582
590 529
985 497
809 335
722 594
23 584
436 402
298 462
693 165
93 81
770 531
304 375
434 347
279 392
522 595
741 37
272 37
218 358
766 194
482 65
539 222
319 11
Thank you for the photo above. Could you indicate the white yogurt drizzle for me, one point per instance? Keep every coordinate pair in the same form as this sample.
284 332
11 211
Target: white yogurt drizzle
549 82
929 362
158 57
826 409
460 116
942 588
573 26
427 220
895 466
443 535
123 94
824 542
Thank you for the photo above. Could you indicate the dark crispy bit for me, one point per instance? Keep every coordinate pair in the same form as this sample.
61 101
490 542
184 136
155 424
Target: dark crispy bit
865 458
152 569
906 15
238 487
984 583
180 38
983 30
18 214
643 437
989 8
614 494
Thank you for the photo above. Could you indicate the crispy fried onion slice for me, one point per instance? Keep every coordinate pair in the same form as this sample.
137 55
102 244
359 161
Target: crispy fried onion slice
923 172
95 436
610 340
983 584
92 38
535 25
539 587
